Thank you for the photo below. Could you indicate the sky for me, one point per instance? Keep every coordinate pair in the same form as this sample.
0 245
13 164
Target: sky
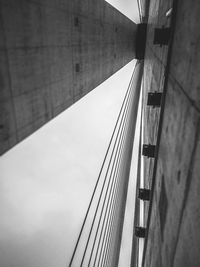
46 181
127 7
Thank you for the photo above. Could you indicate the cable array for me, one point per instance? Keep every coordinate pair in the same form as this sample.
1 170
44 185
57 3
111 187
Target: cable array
99 238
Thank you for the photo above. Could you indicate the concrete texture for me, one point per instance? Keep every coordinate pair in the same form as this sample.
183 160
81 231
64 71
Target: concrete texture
52 54
174 218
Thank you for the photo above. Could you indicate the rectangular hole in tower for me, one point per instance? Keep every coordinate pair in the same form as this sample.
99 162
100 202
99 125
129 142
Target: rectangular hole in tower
76 21
77 67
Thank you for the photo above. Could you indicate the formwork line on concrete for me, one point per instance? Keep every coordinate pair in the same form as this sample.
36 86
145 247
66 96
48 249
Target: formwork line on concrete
192 102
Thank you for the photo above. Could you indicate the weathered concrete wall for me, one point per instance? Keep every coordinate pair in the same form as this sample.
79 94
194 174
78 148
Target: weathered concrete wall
52 54
174 237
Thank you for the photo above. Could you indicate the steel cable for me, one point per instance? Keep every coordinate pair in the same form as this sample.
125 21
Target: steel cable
113 169
108 247
95 188
96 210
119 160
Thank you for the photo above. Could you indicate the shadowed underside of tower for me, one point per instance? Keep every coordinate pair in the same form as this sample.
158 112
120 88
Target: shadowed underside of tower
52 54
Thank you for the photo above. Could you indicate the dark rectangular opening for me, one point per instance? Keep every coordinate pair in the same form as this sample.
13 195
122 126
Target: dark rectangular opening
76 21
77 67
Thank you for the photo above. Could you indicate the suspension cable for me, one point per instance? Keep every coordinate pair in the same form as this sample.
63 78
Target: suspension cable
94 218
119 157
112 193
95 188
112 221
113 170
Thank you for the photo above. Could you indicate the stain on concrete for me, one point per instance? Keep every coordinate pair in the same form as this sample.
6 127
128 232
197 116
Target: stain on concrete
163 205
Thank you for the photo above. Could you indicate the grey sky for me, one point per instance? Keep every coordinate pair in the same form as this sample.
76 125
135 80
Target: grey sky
127 7
46 181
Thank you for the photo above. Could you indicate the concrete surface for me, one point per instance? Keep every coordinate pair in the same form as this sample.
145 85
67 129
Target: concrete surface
53 52
174 236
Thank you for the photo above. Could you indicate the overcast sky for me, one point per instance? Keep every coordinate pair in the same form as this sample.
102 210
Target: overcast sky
46 181
127 7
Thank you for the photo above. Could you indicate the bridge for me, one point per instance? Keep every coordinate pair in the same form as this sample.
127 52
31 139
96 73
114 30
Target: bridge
55 52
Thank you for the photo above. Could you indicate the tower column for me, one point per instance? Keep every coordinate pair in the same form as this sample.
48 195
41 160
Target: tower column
53 53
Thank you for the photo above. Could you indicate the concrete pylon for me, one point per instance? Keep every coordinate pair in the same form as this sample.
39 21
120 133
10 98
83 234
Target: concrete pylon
52 54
